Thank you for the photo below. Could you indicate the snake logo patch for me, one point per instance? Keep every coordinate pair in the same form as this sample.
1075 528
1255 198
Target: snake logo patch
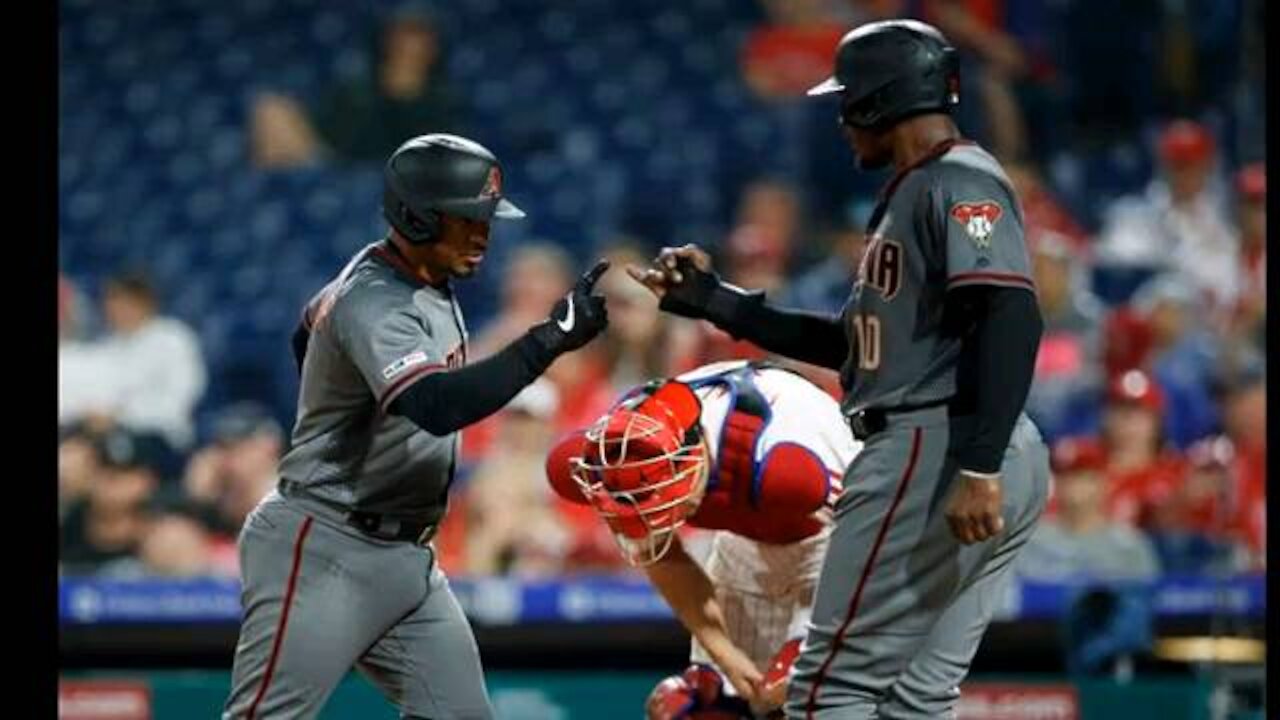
978 220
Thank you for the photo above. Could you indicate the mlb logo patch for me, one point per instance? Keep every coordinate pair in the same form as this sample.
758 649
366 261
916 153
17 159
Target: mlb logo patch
399 366
978 220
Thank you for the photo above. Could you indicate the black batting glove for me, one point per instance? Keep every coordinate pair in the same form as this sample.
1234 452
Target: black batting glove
692 295
577 317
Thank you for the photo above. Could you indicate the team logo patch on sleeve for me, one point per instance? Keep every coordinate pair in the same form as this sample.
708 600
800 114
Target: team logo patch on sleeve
399 366
978 220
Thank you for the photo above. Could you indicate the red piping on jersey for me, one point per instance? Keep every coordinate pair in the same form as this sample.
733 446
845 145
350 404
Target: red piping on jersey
999 277
284 616
397 262
400 385
866 573
934 153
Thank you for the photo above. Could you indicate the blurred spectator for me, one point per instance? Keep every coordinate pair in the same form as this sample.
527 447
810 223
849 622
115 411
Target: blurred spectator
175 544
81 391
1200 42
767 228
533 279
641 342
1079 540
1191 521
1179 224
1006 66
148 373
1127 341
1245 422
1249 322
825 287
367 116
225 480
1140 467
508 520
109 522
1043 213
1069 364
756 254
792 51
1182 359
79 465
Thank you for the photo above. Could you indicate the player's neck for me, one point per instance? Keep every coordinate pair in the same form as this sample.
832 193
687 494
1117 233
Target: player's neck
915 138
419 258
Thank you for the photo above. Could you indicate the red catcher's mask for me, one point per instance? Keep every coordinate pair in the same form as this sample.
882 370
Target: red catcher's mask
644 468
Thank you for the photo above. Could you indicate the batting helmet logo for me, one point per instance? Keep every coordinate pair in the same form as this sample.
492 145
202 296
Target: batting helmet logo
493 184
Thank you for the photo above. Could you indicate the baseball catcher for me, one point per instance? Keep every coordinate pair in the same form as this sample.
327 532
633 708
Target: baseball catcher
753 452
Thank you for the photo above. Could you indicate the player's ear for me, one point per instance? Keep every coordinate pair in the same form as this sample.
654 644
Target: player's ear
559 466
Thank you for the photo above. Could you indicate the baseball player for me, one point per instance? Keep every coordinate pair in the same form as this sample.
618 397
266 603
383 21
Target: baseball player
936 347
751 451
337 565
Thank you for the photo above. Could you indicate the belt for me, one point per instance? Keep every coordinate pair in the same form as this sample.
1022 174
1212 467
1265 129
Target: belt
866 423
377 525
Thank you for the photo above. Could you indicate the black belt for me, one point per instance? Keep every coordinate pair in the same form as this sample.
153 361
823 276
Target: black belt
378 525
866 423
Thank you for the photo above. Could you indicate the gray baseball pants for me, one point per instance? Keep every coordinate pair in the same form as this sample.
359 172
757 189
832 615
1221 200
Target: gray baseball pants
901 604
320 597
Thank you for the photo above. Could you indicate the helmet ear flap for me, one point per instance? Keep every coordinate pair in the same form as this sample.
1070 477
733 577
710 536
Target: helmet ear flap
425 227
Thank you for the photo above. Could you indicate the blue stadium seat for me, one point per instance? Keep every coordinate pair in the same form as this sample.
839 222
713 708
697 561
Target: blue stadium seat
153 143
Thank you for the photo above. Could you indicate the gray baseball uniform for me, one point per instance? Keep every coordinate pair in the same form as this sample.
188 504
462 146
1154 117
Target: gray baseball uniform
901 604
319 594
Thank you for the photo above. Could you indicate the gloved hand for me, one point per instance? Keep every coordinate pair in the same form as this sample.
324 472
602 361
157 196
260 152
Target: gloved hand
695 694
682 278
775 679
577 317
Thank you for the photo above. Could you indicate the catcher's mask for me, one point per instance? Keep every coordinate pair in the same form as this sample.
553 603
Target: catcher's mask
644 467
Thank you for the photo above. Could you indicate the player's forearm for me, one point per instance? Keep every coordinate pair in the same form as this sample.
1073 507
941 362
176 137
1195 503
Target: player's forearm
692 597
998 362
811 337
445 402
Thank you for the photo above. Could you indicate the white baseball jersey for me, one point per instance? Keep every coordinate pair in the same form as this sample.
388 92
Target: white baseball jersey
779 447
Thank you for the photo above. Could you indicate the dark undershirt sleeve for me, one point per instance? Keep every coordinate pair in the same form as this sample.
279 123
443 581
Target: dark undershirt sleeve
447 401
997 363
301 337
815 338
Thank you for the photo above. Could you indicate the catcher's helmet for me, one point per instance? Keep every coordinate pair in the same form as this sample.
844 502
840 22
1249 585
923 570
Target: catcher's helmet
890 70
643 467
439 174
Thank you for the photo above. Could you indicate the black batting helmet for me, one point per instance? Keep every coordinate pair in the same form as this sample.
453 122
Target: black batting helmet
433 175
887 71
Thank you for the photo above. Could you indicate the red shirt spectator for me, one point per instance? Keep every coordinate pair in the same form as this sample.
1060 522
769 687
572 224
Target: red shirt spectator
792 53
1139 470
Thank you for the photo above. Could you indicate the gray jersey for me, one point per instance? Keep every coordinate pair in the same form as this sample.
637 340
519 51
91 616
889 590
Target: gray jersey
952 220
375 329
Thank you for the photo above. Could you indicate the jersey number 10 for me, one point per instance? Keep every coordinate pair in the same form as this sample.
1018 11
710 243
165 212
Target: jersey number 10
867 329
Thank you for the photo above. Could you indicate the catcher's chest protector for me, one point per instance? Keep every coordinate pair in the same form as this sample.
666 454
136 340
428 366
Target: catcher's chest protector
775 494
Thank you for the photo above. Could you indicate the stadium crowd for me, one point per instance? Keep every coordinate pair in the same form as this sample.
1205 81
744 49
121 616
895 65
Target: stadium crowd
1150 382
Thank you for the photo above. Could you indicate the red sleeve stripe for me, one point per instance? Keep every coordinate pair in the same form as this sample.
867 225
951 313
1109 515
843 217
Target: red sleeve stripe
394 389
991 278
